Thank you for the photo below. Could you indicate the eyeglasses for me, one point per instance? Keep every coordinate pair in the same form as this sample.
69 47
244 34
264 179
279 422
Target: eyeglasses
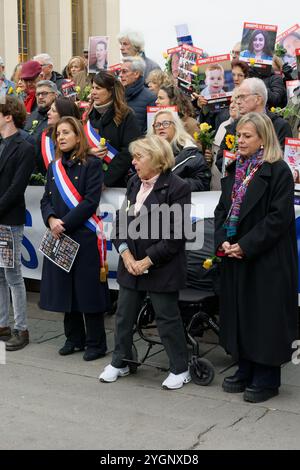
43 94
163 124
243 97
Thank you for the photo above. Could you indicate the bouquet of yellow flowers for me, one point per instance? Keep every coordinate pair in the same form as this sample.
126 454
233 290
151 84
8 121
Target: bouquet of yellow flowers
205 136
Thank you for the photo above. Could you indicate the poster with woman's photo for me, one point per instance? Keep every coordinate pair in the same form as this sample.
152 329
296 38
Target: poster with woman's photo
258 45
292 157
186 69
98 53
290 41
216 82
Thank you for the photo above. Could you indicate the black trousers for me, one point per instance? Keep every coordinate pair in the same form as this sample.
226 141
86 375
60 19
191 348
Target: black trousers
86 329
260 375
169 326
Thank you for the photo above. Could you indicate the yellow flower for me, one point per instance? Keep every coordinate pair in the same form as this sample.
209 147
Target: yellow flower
273 110
196 135
207 263
10 91
77 89
230 141
165 55
102 142
252 61
19 90
204 127
35 122
195 68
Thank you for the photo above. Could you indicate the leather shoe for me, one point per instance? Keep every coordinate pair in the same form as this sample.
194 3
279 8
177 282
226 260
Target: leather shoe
68 349
255 394
91 355
234 384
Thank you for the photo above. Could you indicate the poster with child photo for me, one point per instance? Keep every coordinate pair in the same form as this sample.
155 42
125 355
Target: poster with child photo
292 157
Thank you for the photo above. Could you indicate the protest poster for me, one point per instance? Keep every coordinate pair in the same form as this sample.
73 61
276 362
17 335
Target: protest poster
187 69
216 82
6 247
228 157
152 110
173 61
183 35
258 45
298 62
115 69
98 53
291 86
61 252
68 90
290 41
292 157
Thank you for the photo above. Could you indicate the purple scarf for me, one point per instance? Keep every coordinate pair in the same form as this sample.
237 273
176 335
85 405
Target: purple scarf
244 173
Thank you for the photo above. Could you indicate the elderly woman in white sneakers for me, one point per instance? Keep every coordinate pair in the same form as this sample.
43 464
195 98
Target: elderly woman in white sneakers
157 265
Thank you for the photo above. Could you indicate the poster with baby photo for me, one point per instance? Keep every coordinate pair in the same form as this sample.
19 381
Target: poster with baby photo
258 45
152 110
98 53
187 69
292 157
292 86
216 82
290 41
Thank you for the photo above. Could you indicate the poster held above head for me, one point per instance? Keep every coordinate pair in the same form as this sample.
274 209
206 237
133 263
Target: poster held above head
98 53
258 45
290 41
183 35
173 61
187 69
292 86
216 82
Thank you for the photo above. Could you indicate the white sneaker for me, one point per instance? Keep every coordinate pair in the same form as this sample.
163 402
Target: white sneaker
174 381
111 373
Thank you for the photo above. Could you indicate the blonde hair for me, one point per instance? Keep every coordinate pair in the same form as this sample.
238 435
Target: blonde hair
160 151
181 137
73 59
159 77
265 130
212 67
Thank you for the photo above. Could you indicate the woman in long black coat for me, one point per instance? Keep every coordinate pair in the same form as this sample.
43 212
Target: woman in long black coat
255 235
152 257
80 291
116 122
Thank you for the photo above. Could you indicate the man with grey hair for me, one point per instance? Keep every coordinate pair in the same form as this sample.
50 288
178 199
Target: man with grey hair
252 96
132 44
138 97
46 62
37 121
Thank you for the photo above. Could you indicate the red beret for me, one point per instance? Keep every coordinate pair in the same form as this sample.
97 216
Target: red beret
31 70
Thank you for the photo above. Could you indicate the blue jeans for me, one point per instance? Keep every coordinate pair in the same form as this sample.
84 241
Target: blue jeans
12 280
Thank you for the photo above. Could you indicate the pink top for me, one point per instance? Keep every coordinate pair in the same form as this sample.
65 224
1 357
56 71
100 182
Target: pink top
145 190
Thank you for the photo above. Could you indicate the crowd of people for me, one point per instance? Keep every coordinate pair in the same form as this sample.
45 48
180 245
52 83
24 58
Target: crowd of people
47 136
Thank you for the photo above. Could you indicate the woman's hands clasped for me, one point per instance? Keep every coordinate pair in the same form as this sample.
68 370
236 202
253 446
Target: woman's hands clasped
232 251
136 268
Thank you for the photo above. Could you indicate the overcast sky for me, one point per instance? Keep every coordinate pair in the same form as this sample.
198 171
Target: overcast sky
214 25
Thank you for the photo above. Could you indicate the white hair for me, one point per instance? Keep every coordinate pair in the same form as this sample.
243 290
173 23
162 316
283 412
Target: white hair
257 87
46 58
136 38
137 64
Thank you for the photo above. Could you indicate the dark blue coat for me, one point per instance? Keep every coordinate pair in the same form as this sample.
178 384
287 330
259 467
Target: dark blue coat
81 289
138 97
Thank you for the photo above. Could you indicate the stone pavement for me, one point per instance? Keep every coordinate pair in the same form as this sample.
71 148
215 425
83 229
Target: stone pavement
53 402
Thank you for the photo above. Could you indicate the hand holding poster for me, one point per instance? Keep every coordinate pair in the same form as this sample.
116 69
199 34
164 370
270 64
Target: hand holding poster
6 247
98 53
292 157
258 45
290 41
61 252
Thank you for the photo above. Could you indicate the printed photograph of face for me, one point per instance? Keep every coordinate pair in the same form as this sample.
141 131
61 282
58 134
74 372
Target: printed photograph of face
216 80
291 43
98 52
258 44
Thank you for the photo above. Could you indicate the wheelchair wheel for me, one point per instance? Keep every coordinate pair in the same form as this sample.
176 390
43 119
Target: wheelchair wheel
202 371
134 354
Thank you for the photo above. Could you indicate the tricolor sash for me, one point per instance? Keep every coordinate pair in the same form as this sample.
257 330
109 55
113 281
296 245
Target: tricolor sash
94 140
48 149
72 198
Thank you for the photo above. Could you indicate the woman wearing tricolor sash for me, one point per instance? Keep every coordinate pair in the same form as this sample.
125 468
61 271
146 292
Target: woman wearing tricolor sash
69 205
110 118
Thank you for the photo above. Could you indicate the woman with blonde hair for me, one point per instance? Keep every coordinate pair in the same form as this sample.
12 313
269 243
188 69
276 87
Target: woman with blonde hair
189 161
156 79
153 264
255 237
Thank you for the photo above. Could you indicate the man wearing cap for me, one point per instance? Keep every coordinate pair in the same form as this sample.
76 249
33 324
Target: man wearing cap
30 74
16 165
48 73
6 86
46 92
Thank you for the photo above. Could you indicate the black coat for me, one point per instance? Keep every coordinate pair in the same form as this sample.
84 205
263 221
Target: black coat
79 290
41 116
281 127
258 300
119 137
16 165
168 273
191 166
138 97
58 79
